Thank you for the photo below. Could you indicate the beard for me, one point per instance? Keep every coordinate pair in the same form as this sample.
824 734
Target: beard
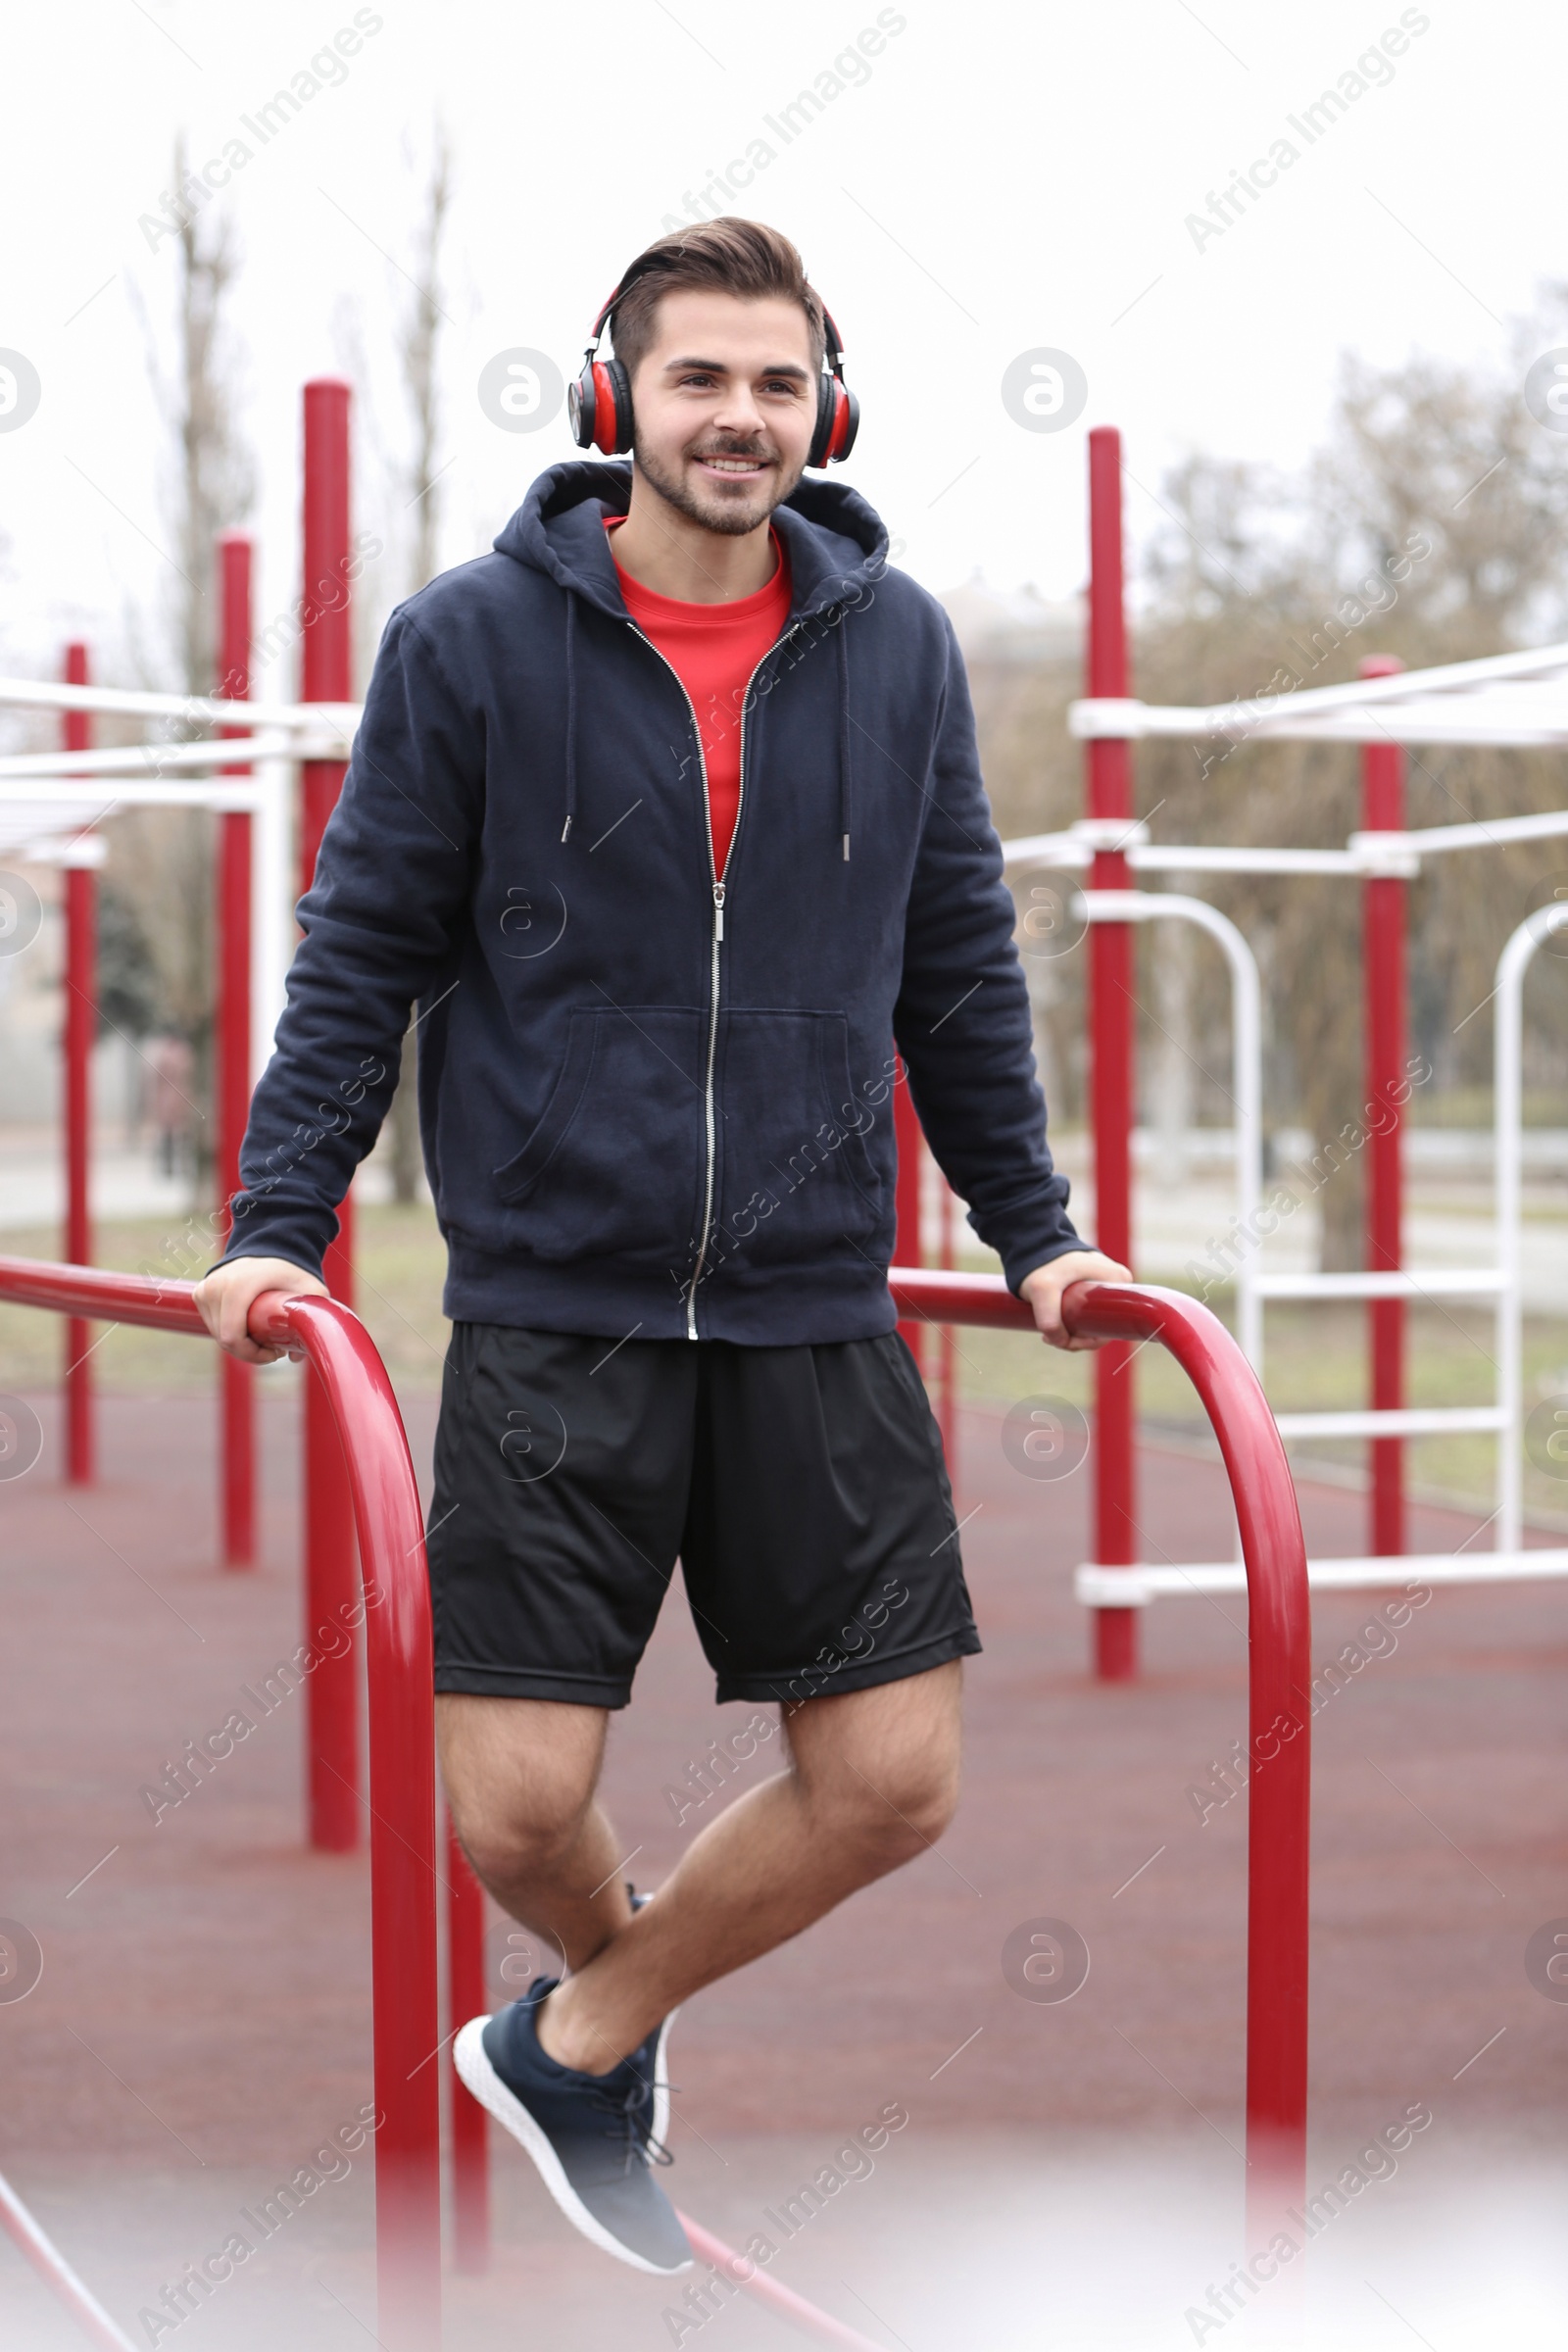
732 513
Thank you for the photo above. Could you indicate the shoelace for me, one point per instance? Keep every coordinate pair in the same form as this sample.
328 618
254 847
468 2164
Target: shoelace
638 2146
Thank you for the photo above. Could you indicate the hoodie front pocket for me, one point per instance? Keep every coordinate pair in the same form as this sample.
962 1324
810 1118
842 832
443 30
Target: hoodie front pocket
614 1166
795 1176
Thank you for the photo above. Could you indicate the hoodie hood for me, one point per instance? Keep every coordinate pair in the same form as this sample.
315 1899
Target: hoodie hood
836 544
835 541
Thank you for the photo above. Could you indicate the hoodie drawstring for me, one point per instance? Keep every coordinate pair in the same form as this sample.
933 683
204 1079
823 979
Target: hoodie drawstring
844 732
571 714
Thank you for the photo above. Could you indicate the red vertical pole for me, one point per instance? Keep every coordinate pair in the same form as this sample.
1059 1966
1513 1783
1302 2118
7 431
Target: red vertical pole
1384 925
906 1202
470 2146
233 1074
80 1027
330 1578
948 1345
1111 1032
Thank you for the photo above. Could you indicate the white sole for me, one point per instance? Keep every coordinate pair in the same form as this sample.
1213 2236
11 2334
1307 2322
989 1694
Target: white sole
661 2124
472 2062
660 2131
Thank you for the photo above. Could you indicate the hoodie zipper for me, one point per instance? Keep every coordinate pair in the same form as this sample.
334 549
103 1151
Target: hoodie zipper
717 880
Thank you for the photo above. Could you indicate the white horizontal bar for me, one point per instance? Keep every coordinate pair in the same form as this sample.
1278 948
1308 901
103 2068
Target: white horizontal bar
1048 849
166 758
1487 833
1461 720
1537 715
85 850
1163 857
1121 906
1068 851
1481 1282
1127 717
1397 853
1417 1422
1136 1587
39 694
129 791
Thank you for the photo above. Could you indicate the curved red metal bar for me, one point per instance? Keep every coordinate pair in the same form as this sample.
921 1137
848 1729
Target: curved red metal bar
402 1769
1279 1670
756 2281
56 2273
403 1858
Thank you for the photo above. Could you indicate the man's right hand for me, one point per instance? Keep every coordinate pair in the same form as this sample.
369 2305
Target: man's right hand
227 1296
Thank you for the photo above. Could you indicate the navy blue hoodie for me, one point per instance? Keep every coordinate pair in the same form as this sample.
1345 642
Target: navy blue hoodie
653 1099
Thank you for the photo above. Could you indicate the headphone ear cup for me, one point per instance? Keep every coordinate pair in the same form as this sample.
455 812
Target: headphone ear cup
826 417
602 435
599 408
617 437
580 406
838 420
846 423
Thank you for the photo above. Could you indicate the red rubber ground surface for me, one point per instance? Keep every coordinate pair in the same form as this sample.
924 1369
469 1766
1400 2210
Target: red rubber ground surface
202 2019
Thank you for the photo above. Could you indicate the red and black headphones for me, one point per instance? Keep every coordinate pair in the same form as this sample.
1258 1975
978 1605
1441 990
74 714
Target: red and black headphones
599 403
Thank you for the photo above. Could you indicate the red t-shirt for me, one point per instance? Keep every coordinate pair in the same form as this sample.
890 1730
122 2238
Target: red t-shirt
713 649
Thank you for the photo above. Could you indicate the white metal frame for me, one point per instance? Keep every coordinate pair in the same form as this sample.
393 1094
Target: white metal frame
49 806
1246 1060
1506 698
1508 1155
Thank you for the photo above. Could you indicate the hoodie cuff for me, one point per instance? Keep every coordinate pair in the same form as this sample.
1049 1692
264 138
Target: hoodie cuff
279 1229
1018 1265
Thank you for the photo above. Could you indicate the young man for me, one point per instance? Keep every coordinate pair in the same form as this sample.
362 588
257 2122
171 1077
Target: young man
667 814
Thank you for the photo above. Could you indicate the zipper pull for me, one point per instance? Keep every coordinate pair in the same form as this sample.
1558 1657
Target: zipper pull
719 911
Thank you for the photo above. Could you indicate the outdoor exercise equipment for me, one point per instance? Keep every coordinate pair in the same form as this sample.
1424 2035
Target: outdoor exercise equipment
408 2037
385 1502
1504 699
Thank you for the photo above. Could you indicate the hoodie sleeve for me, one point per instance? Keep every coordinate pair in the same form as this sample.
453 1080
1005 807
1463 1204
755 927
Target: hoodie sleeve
963 1021
381 924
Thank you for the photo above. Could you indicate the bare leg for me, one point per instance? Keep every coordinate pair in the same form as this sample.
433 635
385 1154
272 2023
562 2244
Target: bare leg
872 1782
520 1777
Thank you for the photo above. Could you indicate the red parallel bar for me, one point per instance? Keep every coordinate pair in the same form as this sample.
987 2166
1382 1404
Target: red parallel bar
471 2143
907 1245
56 2272
1278 1675
754 2281
948 1345
385 1502
80 1024
233 1074
1109 799
327 675
1384 922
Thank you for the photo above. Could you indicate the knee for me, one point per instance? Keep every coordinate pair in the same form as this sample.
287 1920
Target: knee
515 1848
925 1801
903 1814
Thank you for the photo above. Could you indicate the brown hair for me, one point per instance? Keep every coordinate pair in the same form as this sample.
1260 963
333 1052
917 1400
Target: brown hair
729 255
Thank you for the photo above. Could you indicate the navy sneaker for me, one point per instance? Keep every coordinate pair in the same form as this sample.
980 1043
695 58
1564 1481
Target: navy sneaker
591 2136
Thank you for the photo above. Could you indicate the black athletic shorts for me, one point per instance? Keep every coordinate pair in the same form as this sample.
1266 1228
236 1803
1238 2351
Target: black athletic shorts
802 1488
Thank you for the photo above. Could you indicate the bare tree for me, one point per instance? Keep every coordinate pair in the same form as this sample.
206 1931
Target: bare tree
1432 525
418 342
164 856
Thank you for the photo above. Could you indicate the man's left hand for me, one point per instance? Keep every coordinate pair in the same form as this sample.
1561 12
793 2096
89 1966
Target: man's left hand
1043 1290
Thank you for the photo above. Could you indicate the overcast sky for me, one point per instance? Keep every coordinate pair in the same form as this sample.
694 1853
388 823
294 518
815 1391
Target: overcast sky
969 184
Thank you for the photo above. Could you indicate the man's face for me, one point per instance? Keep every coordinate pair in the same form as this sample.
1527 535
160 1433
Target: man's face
724 405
